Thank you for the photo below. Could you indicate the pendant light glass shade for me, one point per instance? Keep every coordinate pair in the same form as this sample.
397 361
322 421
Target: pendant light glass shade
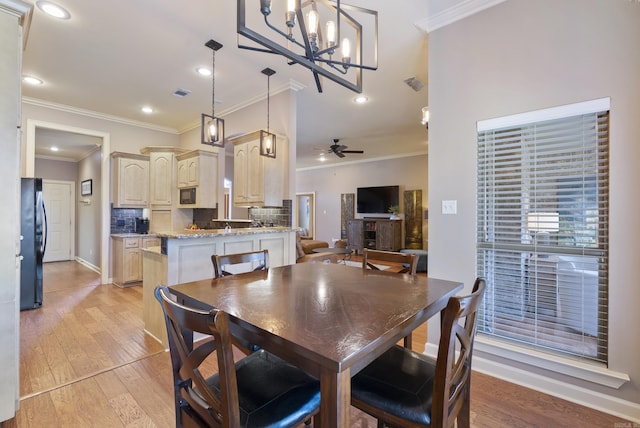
267 139
267 144
212 127
212 130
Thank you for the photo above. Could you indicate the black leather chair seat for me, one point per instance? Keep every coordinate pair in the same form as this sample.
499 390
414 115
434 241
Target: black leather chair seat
399 382
272 392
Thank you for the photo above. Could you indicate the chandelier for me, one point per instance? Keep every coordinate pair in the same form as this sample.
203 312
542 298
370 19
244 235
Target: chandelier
323 36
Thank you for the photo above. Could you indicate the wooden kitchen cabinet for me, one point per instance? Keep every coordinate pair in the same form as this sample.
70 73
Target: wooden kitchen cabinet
188 172
257 180
199 169
127 257
162 175
130 180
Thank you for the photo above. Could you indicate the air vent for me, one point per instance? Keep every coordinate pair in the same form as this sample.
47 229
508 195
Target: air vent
414 83
181 92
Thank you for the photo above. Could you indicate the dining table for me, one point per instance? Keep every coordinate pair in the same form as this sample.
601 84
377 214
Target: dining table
329 319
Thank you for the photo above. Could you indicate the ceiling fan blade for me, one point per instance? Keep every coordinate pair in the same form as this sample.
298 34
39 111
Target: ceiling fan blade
339 154
340 148
352 151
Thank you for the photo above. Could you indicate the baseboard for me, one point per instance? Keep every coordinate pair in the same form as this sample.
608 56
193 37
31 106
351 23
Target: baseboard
91 266
575 394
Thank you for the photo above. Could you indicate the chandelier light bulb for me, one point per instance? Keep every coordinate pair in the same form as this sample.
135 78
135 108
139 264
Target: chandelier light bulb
331 34
312 21
346 51
290 15
212 129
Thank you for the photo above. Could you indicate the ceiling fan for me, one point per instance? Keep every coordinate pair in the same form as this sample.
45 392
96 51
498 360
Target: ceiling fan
340 149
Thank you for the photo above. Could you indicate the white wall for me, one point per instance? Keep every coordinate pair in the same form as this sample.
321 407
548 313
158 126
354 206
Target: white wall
521 56
329 183
88 215
56 169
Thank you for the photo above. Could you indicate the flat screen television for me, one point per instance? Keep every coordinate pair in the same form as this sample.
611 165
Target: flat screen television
376 200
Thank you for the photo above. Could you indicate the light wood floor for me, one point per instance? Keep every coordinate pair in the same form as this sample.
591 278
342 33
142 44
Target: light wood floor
85 362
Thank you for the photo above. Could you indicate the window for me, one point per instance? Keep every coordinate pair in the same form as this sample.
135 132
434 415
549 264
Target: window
542 228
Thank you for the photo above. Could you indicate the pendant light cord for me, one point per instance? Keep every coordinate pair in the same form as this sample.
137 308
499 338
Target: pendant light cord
213 86
268 98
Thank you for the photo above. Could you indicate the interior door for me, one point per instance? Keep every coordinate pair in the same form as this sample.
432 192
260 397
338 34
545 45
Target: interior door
57 200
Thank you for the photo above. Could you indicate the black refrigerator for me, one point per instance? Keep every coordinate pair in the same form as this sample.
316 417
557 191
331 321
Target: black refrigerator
33 228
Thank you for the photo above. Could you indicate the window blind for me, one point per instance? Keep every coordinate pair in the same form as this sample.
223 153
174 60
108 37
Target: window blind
542 233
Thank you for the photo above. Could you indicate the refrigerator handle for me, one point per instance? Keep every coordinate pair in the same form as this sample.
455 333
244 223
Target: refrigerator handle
46 229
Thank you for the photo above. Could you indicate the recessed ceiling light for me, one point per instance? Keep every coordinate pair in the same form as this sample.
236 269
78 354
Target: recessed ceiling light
54 149
53 9
203 71
32 80
361 99
147 110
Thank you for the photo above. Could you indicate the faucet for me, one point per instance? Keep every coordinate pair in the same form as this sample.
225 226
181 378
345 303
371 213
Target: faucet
227 227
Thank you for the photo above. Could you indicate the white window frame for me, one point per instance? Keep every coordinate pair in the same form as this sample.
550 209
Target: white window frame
588 370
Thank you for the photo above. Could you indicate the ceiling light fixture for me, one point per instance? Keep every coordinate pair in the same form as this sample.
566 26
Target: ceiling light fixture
147 110
54 149
203 71
212 127
361 99
267 139
53 9
32 80
315 44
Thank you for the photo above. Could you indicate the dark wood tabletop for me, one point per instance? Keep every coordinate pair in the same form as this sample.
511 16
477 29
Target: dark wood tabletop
329 319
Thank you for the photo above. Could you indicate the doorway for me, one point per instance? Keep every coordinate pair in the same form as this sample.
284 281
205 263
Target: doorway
306 213
103 222
60 238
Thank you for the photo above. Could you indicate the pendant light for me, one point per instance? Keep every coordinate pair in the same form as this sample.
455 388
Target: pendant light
267 139
212 127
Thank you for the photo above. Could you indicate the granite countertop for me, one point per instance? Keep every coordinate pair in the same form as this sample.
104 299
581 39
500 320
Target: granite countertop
133 235
212 233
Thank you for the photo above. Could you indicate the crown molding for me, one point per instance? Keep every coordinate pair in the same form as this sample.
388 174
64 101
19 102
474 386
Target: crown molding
96 115
292 85
455 13
15 7
347 163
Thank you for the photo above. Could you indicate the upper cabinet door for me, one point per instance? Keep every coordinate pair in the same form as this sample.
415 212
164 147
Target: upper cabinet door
257 180
161 179
130 181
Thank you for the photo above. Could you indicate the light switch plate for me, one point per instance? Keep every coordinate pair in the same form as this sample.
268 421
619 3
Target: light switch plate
450 207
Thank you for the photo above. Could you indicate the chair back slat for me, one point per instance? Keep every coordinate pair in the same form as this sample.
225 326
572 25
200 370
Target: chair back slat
408 262
220 261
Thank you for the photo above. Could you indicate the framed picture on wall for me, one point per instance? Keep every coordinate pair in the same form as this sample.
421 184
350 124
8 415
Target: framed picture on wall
85 187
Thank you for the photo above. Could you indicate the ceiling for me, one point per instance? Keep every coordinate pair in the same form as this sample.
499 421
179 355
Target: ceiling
114 57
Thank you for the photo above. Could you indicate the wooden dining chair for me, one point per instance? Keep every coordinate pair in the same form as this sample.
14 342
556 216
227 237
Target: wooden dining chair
257 391
408 263
409 389
220 261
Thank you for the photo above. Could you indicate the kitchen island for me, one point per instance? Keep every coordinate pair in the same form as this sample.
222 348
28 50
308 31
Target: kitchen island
185 256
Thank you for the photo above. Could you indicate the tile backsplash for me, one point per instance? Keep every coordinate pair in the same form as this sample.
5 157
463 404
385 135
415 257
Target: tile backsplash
123 220
273 216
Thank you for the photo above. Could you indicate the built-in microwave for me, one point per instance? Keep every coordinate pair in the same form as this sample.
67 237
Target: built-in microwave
188 196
